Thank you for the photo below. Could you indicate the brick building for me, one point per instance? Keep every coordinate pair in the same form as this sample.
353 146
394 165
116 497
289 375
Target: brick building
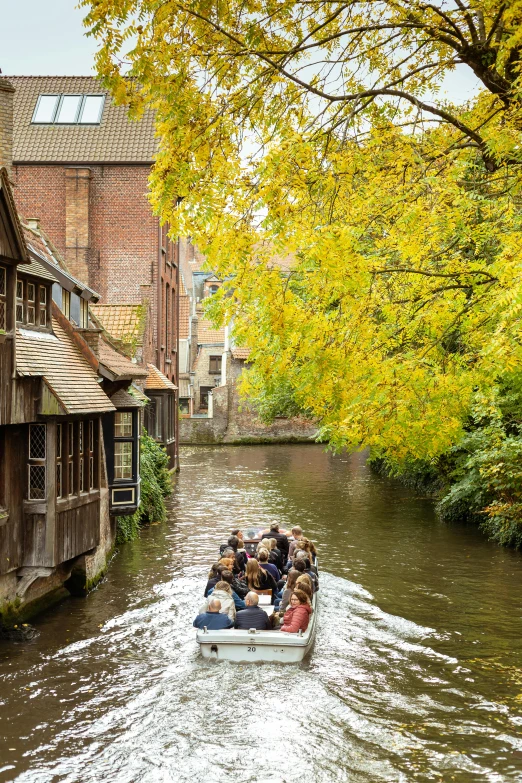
70 413
81 167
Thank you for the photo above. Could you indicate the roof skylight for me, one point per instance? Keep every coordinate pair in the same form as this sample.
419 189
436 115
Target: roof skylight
68 110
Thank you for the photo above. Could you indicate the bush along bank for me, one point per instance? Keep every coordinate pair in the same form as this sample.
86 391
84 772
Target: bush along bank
479 480
156 485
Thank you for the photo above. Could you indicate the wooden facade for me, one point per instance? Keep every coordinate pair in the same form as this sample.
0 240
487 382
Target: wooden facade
60 469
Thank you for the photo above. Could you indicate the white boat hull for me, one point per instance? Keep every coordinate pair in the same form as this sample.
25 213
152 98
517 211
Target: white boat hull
246 646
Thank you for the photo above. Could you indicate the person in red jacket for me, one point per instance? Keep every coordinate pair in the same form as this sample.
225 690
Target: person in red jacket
297 617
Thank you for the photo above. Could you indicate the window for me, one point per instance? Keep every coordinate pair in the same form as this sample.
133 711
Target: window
59 464
167 320
124 429
184 405
68 109
3 298
214 365
43 306
19 301
123 425
214 289
204 391
84 314
82 462
76 457
123 460
31 303
37 452
45 108
66 303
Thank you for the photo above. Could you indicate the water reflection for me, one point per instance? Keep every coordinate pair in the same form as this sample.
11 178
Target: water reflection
415 675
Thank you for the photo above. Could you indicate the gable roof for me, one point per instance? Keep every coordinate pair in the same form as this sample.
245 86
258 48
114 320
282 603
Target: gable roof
117 139
117 364
56 359
156 379
123 322
207 333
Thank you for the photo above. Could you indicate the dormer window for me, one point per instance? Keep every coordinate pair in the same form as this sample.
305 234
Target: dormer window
68 110
32 303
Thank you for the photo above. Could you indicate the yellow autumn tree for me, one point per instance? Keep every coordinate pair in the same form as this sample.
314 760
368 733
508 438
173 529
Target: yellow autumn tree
368 229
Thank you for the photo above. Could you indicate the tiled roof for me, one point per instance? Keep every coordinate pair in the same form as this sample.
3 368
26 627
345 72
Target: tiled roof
122 399
184 390
156 379
122 321
116 139
184 317
240 353
118 364
55 358
37 270
207 333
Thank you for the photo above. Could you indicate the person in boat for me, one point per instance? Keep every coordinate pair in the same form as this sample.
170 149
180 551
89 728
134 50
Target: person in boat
214 577
239 554
253 616
282 603
223 592
297 534
297 616
229 561
236 532
212 618
228 576
304 583
262 557
258 579
275 555
281 538
301 557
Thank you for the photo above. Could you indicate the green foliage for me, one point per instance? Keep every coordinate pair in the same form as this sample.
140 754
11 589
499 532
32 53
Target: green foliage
155 487
487 477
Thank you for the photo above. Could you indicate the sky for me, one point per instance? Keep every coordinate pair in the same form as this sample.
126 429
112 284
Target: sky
47 38
44 38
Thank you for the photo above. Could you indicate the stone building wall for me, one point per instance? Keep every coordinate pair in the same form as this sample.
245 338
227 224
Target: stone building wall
235 421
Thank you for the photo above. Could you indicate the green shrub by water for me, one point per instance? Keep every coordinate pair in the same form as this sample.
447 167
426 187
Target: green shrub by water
155 487
480 480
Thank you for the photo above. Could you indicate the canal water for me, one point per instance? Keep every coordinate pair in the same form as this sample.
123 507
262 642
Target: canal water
416 674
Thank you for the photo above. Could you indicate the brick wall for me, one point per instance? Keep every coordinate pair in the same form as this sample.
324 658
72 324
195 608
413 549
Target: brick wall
122 238
6 123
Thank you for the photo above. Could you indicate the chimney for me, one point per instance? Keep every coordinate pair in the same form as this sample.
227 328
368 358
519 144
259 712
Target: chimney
77 229
6 124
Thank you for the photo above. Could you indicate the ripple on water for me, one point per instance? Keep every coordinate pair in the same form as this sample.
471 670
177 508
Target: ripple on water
387 694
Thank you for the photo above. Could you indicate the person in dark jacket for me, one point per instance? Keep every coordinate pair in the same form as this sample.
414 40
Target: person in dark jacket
212 618
253 616
282 539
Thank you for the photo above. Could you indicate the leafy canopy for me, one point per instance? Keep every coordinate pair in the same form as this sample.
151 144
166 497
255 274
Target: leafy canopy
369 230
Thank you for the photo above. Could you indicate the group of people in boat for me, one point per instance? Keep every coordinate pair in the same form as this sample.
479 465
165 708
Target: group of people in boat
284 565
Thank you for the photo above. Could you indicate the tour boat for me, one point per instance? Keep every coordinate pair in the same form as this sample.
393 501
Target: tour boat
234 644
242 646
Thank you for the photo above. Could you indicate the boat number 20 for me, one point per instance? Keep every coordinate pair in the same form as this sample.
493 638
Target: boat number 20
251 649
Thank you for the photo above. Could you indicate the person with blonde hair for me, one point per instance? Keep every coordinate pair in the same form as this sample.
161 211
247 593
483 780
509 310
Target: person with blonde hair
304 583
222 593
258 579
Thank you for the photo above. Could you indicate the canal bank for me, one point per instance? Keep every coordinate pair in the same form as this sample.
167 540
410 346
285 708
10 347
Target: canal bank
415 674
